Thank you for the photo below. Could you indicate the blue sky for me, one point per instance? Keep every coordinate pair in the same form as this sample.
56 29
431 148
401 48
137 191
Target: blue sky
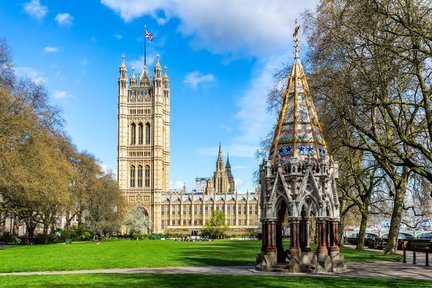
221 56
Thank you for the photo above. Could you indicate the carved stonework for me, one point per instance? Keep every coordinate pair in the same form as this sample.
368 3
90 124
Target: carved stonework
299 176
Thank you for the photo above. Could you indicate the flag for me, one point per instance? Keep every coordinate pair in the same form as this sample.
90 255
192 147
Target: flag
148 35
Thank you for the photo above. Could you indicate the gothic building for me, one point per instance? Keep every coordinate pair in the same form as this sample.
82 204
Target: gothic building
143 139
144 162
298 184
223 180
187 211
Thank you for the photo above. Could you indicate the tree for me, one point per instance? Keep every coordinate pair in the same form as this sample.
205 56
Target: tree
136 221
86 172
371 67
215 227
104 213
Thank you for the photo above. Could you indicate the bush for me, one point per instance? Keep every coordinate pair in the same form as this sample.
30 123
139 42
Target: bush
85 236
10 239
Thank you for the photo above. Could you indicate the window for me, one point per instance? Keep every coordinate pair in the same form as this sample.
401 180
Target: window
140 176
132 176
133 133
147 176
163 211
140 133
147 133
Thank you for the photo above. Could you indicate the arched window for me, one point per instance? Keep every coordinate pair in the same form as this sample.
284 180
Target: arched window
140 176
132 176
147 133
140 133
133 133
147 176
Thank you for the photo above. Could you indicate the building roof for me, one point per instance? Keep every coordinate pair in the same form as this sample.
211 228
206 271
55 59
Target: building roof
298 133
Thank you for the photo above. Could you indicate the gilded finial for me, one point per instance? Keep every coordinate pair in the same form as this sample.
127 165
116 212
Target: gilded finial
296 39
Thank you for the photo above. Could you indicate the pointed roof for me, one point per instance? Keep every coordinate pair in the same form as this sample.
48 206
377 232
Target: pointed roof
298 133
220 151
123 65
228 165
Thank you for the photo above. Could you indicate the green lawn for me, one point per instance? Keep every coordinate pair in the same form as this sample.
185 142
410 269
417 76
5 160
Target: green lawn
147 253
198 281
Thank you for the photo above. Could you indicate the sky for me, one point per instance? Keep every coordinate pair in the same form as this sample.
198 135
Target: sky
221 56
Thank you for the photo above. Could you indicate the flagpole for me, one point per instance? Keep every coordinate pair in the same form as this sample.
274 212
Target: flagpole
145 44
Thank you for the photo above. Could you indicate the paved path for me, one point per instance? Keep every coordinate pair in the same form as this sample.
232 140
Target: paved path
397 270
378 269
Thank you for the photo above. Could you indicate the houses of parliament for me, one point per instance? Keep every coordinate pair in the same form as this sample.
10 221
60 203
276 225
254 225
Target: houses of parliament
144 160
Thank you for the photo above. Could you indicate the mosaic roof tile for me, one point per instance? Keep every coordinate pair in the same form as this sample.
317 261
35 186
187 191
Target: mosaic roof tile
298 133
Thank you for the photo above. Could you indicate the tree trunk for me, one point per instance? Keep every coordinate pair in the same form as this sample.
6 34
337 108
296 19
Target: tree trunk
362 230
399 197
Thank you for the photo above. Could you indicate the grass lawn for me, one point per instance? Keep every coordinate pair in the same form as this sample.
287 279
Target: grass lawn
204 281
144 253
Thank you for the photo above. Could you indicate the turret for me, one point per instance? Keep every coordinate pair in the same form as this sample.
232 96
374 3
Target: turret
166 83
122 79
157 68
231 182
133 79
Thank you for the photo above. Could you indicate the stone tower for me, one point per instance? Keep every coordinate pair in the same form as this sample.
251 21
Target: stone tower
220 181
144 139
298 184
231 182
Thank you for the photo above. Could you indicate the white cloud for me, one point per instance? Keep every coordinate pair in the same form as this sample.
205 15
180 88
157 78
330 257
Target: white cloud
138 64
35 9
106 168
254 120
60 94
227 27
238 182
195 78
118 36
34 75
64 19
50 49
177 184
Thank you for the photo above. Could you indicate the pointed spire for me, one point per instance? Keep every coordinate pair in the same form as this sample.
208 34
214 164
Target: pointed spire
123 61
228 165
219 161
298 133
122 69
165 72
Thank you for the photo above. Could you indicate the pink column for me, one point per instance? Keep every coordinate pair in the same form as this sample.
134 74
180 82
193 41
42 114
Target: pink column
295 237
335 238
271 233
322 237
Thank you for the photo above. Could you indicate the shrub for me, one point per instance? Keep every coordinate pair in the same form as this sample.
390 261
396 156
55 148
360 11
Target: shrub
10 239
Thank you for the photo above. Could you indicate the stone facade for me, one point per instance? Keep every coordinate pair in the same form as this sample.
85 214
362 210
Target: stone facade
144 139
183 210
143 163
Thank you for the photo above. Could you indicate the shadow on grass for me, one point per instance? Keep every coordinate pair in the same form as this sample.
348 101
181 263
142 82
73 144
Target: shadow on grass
199 281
